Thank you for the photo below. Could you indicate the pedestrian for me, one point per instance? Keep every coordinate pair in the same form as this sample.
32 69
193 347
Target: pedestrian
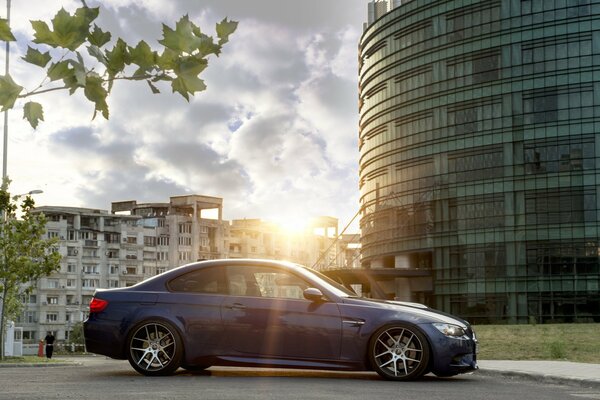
49 344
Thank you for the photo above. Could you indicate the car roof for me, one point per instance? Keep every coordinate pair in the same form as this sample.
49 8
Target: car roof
157 282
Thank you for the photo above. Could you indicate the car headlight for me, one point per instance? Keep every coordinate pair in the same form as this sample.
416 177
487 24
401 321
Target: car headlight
450 330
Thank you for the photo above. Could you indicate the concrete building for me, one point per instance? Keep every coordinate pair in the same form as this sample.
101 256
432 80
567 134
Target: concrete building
100 250
479 156
139 240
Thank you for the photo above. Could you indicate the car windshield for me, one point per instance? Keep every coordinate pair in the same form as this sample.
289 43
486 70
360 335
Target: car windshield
335 287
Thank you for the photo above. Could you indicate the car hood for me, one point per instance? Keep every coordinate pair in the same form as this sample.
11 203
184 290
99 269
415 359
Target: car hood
415 309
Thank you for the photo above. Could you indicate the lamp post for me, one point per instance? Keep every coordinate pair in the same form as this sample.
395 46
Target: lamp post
35 191
4 149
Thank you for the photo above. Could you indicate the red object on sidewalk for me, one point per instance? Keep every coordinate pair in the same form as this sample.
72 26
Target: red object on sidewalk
41 349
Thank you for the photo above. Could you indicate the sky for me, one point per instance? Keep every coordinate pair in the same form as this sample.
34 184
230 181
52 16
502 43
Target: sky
275 134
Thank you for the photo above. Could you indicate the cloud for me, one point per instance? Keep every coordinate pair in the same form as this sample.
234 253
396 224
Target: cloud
274 134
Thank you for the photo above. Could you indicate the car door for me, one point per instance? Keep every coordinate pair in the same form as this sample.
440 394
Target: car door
195 299
266 315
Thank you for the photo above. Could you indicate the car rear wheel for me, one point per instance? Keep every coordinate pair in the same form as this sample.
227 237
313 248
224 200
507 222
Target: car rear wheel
155 348
399 352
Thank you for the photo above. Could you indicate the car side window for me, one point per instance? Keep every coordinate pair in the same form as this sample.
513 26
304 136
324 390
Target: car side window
264 282
205 280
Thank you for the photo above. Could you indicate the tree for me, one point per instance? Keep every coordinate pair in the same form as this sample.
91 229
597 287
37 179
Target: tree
183 58
25 253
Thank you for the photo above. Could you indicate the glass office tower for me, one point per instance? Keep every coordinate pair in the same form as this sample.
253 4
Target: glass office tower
480 164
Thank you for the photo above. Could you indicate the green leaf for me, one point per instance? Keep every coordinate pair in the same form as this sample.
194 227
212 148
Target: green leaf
43 34
208 46
5 32
190 84
98 37
9 91
69 31
59 70
97 53
36 57
95 92
117 58
224 29
167 59
143 56
33 113
182 39
190 66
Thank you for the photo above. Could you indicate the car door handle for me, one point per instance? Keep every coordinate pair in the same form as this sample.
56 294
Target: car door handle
236 306
354 322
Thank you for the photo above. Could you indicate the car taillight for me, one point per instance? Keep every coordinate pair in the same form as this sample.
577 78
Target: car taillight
97 305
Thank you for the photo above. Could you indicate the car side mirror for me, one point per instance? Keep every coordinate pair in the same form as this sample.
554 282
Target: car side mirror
313 294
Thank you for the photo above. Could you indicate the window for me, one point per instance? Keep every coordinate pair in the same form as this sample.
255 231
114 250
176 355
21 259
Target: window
131 240
52 284
31 317
554 206
185 256
260 281
574 154
163 241
112 237
185 241
51 317
71 283
90 269
557 103
52 234
205 280
185 228
162 256
90 283
149 241
114 269
71 268
113 283
52 299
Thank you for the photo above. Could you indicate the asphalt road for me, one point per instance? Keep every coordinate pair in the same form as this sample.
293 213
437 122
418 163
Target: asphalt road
100 378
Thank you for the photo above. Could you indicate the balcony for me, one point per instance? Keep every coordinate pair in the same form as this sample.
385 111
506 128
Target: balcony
90 243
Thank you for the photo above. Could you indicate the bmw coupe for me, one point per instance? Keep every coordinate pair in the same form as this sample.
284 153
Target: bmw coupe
270 313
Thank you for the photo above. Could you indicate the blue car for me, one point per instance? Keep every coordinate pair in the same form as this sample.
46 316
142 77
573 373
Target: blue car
271 314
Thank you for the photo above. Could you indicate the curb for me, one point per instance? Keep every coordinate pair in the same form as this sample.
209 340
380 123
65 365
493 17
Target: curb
561 380
39 365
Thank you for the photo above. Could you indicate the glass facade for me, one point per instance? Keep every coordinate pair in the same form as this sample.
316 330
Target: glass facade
479 158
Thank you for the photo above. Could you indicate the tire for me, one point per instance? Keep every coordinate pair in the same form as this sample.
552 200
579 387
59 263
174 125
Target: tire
195 368
399 352
154 348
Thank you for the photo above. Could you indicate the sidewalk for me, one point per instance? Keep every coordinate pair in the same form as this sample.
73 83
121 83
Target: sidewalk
546 371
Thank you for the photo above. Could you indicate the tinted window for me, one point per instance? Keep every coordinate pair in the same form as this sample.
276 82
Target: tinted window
205 280
257 281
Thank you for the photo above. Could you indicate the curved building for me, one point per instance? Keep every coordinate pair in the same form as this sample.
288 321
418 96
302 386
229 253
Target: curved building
479 158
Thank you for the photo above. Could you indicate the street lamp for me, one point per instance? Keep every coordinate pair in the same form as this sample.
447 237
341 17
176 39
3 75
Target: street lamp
35 191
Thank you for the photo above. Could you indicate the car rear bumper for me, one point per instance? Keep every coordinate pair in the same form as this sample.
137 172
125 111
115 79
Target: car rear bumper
103 339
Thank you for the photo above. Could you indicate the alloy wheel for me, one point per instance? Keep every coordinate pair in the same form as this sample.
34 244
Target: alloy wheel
154 349
399 353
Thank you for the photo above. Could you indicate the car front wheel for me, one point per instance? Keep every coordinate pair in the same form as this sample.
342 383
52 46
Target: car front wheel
399 352
155 348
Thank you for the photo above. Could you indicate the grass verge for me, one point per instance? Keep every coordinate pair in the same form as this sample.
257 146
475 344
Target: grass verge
567 342
28 360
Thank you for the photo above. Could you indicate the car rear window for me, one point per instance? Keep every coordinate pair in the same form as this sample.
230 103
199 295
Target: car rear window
205 280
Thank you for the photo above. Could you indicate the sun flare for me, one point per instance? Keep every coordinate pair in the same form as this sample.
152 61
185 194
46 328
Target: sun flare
293 224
